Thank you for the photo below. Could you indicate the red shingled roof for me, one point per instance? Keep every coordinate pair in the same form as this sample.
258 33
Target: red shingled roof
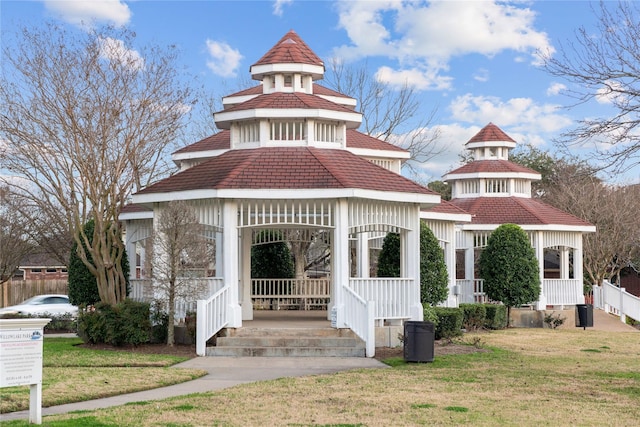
217 141
287 168
516 210
287 100
290 49
490 132
357 139
446 207
492 166
221 141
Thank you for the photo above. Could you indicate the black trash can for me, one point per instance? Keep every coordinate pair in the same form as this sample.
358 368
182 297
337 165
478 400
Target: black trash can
419 340
584 316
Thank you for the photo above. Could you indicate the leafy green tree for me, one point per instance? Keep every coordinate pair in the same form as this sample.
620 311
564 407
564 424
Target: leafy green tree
434 279
441 188
389 258
272 261
83 287
509 267
433 270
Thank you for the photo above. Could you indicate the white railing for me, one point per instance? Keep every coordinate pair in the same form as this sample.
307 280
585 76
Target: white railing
471 291
301 293
391 296
563 291
359 317
615 300
556 291
212 316
142 290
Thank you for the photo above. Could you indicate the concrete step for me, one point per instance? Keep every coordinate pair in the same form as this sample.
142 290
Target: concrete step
230 351
287 342
287 332
284 341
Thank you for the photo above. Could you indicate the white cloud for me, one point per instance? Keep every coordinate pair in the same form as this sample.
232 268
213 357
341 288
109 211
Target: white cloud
521 114
417 78
481 75
85 13
278 5
610 93
224 59
114 50
427 35
555 89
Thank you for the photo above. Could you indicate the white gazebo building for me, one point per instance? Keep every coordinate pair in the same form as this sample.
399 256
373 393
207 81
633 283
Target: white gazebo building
496 191
288 156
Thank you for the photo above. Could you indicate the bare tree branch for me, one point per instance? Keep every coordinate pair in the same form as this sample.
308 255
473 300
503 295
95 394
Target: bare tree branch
87 121
605 67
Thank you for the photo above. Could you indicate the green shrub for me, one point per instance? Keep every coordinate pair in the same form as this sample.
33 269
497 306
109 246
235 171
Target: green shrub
159 324
449 322
126 323
430 315
474 316
496 316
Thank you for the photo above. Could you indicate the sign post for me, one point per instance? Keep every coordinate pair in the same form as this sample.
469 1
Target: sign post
21 359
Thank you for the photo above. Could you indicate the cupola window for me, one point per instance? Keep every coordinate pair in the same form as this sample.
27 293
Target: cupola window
288 131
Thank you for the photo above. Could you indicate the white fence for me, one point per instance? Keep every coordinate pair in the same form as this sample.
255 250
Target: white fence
556 291
563 291
471 291
304 294
615 300
391 296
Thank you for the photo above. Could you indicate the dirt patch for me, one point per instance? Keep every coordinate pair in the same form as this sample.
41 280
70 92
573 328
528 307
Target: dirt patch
441 348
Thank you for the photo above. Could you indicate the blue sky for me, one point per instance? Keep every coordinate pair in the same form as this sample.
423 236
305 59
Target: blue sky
474 62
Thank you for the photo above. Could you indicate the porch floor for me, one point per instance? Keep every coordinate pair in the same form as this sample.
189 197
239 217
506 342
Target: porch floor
276 319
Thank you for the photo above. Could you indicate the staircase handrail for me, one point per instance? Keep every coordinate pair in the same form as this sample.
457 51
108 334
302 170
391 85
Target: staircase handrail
359 317
212 316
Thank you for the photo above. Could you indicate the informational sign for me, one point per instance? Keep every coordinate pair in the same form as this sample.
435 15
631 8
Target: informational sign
20 357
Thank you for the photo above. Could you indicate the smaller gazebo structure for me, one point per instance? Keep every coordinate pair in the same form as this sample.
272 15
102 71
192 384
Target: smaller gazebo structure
496 191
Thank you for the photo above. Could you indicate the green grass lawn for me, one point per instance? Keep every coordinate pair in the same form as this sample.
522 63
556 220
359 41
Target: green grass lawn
71 374
529 377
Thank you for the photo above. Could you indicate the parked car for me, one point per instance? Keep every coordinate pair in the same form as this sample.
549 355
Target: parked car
43 305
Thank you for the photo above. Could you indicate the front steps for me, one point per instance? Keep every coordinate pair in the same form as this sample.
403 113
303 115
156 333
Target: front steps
287 342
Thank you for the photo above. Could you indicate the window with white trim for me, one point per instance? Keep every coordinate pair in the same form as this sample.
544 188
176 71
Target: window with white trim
288 131
249 132
326 132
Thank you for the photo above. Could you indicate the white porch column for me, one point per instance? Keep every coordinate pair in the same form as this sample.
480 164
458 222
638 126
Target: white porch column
564 262
340 259
230 258
130 246
578 273
469 268
245 274
541 304
363 255
410 261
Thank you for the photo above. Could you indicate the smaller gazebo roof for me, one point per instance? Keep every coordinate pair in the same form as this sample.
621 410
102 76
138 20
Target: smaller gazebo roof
525 212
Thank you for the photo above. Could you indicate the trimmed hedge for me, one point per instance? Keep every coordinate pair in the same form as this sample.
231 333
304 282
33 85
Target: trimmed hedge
473 316
126 323
496 317
449 322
